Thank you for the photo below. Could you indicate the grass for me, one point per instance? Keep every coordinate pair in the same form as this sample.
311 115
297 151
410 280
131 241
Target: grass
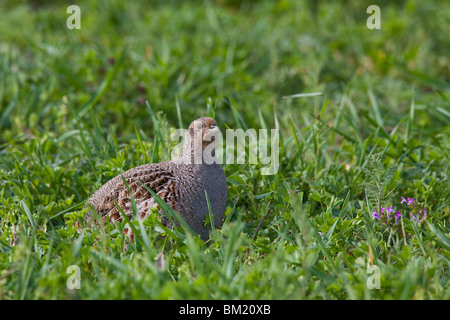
73 114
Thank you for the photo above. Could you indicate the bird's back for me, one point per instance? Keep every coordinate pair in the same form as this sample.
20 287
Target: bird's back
181 186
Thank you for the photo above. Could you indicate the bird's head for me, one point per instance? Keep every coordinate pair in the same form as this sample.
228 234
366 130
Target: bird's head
204 129
201 139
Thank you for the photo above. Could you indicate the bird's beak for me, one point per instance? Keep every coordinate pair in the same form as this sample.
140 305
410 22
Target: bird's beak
213 132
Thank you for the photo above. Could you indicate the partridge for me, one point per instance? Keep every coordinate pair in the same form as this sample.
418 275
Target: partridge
181 183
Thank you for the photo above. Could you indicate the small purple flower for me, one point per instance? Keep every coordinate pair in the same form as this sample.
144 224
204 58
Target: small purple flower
397 216
425 212
415 218
409 201
375 214
388 212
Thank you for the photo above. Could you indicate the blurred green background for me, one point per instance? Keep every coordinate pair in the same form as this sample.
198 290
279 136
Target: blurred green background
245 53
73 114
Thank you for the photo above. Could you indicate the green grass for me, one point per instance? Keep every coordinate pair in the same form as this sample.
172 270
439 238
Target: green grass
73 114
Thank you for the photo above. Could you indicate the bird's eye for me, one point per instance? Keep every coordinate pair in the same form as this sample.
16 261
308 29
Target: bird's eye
212 126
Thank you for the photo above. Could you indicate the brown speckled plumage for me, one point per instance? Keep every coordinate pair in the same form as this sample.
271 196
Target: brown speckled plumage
180 183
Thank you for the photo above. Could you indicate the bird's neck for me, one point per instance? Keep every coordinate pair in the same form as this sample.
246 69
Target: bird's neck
197 157
197 152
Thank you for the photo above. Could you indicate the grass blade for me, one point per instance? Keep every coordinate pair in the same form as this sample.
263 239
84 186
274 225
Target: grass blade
211 216
302 95
28 213
171 214
443 240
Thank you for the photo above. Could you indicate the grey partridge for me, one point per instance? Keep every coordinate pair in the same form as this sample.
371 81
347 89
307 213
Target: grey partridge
181 183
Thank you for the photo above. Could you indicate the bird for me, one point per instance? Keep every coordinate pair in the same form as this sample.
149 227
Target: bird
183 183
